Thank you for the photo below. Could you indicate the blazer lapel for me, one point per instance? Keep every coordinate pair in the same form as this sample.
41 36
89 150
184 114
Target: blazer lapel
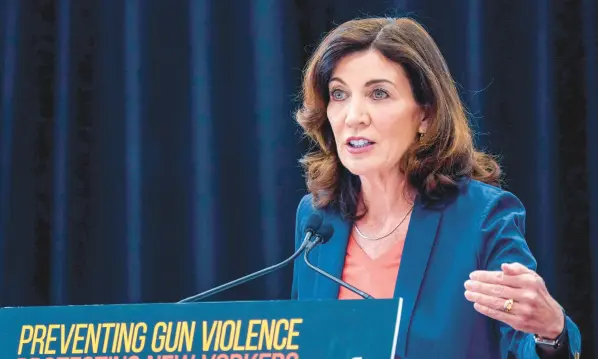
330 257
418 246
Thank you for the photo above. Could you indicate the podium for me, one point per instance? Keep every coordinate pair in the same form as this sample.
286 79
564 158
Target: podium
324 329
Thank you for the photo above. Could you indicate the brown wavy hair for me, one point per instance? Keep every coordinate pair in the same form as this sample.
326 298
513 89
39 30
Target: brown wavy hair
434 165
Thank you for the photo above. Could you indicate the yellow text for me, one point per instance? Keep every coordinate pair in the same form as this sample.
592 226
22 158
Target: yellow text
82 338
257 334
170 338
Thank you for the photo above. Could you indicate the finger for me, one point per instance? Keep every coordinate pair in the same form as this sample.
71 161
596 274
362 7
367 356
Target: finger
515 268
504 317
533 279
499 277
495 290
502 292
491 302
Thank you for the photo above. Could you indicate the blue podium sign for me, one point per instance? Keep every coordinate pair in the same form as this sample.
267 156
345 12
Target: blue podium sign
347 329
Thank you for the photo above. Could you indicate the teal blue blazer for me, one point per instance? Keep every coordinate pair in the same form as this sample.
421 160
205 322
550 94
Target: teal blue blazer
479 228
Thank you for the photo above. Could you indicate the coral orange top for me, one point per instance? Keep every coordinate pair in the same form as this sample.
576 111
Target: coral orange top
377 277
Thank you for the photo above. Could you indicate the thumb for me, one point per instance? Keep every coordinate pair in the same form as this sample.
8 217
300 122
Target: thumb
514 268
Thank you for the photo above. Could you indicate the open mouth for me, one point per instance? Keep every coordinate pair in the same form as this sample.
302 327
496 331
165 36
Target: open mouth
359 143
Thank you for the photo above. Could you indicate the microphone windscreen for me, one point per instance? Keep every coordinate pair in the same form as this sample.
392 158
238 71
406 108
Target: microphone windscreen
326 232
313 223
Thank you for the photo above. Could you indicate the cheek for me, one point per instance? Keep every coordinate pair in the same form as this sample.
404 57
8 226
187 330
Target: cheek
335 118
392 124
397 129
333 110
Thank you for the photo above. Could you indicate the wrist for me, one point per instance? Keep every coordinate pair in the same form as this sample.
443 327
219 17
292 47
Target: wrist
556 329
551 335
556 332
544 345
554 337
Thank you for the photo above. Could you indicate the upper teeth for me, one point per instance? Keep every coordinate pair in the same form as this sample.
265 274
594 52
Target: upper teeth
360 142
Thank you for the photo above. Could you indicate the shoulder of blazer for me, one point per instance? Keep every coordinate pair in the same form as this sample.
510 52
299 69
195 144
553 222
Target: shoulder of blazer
470 192
479 197
304 209
306 203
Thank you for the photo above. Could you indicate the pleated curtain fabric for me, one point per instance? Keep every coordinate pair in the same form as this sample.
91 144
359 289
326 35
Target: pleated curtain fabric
148 149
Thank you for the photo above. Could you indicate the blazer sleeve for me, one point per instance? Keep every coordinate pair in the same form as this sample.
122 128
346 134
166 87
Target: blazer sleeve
503 230
299 217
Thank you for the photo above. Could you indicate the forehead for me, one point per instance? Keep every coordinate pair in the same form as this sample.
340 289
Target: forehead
359 67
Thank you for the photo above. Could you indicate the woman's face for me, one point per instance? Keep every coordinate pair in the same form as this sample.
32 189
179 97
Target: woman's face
372 112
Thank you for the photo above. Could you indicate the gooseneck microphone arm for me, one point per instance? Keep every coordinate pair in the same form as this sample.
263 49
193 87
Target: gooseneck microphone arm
313 224
251 276
312 245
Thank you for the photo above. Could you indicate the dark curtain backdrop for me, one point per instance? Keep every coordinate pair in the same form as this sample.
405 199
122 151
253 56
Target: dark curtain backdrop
148 149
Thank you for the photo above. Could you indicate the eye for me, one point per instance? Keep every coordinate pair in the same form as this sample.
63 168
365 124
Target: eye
337 95
379 94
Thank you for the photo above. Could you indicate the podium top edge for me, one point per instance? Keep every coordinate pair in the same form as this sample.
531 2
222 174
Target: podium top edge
245 302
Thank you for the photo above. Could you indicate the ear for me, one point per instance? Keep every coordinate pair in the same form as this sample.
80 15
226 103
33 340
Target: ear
423 120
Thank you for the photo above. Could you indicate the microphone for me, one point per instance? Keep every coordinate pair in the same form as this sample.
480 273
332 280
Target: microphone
312 224
321 237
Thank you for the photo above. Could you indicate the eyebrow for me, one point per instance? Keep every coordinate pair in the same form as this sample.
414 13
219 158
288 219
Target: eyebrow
369 83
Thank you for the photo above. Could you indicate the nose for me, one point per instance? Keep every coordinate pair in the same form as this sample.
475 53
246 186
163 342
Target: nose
356 114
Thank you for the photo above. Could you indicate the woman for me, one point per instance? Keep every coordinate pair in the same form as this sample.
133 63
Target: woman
417 211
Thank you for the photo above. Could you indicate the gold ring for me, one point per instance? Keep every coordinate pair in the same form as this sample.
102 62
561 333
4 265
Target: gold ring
508 305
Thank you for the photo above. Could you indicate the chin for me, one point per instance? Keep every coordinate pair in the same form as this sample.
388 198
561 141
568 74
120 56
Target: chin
361 168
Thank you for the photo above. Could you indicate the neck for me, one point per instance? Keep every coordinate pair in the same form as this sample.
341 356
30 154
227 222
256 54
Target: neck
386 196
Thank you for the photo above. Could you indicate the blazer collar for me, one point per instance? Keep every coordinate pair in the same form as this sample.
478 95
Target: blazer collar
331 256
421 235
